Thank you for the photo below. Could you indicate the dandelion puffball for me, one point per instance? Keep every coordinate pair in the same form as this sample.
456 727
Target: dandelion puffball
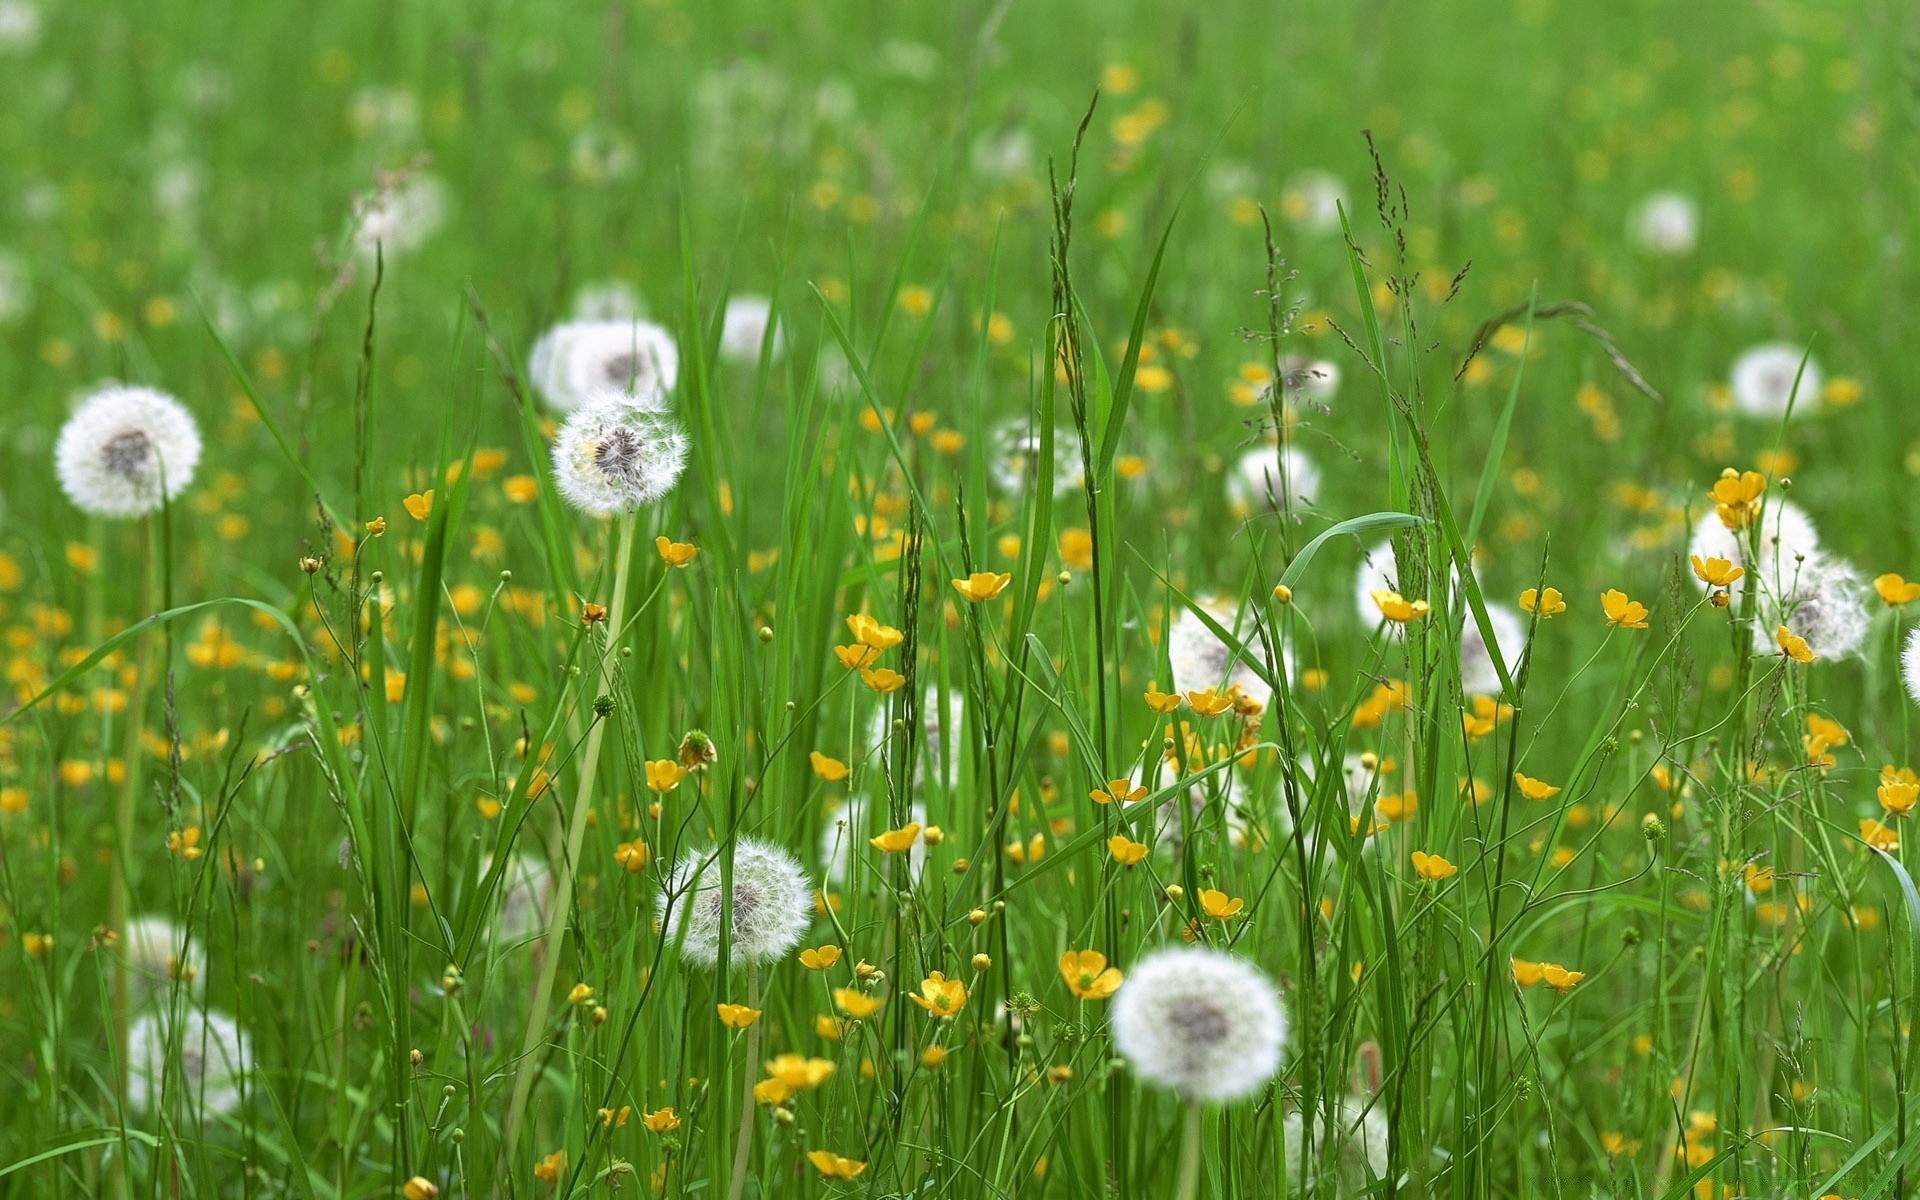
1477 673
1202 1023
772 903
1200 659
1312 201
1910 665
1666 223
213 1054
1821 599
1268 477
157 954
1763 381
1015 464
611 458
582 362
125 450
398 216
1313 379
743 330
1353 1151
1786 537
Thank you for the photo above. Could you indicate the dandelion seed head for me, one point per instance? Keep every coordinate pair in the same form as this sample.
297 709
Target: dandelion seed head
125 449
1910 665
612 458
1786 536
1202 1023
398 216
214 1059
1266 477
772 903
582 363
1200 659
743 329
1823 600
1015 465
1477 673
1666 223
1763 381
156 953
1346 1154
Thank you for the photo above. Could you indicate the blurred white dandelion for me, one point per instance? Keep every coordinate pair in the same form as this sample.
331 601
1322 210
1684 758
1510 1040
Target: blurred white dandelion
1268 477
157 954
579 362
1821 599
1202 1023
213 1059
399 215
125 450
1764 377
1666 223
744 328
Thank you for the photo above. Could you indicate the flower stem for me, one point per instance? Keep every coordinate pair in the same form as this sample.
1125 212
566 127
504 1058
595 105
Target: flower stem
743 1142
1190 1154
576 835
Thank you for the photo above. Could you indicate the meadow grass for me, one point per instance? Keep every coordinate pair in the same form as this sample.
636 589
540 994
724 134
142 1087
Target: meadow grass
1110 544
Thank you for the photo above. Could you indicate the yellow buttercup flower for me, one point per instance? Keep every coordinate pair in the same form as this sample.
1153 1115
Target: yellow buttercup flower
940 996
855 1003
1117 791
664 775
1558 977
662 1120
799 1071
820 959
1793 647
1874 834
1219 905
982 585
1895 590
1397 608
1126 851
1622 612
869 632
830 769
419 504
833 1166
1087 974
1535 789
1209 703
675 554
737 1016
1543 602
895 841
1432 866
1716 572
1161 702
882 680
854 657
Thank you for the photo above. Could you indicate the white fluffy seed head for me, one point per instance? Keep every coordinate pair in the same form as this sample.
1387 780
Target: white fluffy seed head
1477 673
1314 379
611 458
157 954
1312 201
1823 600
1201 660
213 1058
1015 465
1666 223
744 329
523 898
1266 477
1202 1023
398 216
583 362
125 449
1763 381
1786 535
772 903
1910 665
1347 1155
844 837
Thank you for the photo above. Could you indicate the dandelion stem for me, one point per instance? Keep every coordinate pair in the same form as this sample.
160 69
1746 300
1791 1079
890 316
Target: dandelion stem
576 836
743 1142
1190 1154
